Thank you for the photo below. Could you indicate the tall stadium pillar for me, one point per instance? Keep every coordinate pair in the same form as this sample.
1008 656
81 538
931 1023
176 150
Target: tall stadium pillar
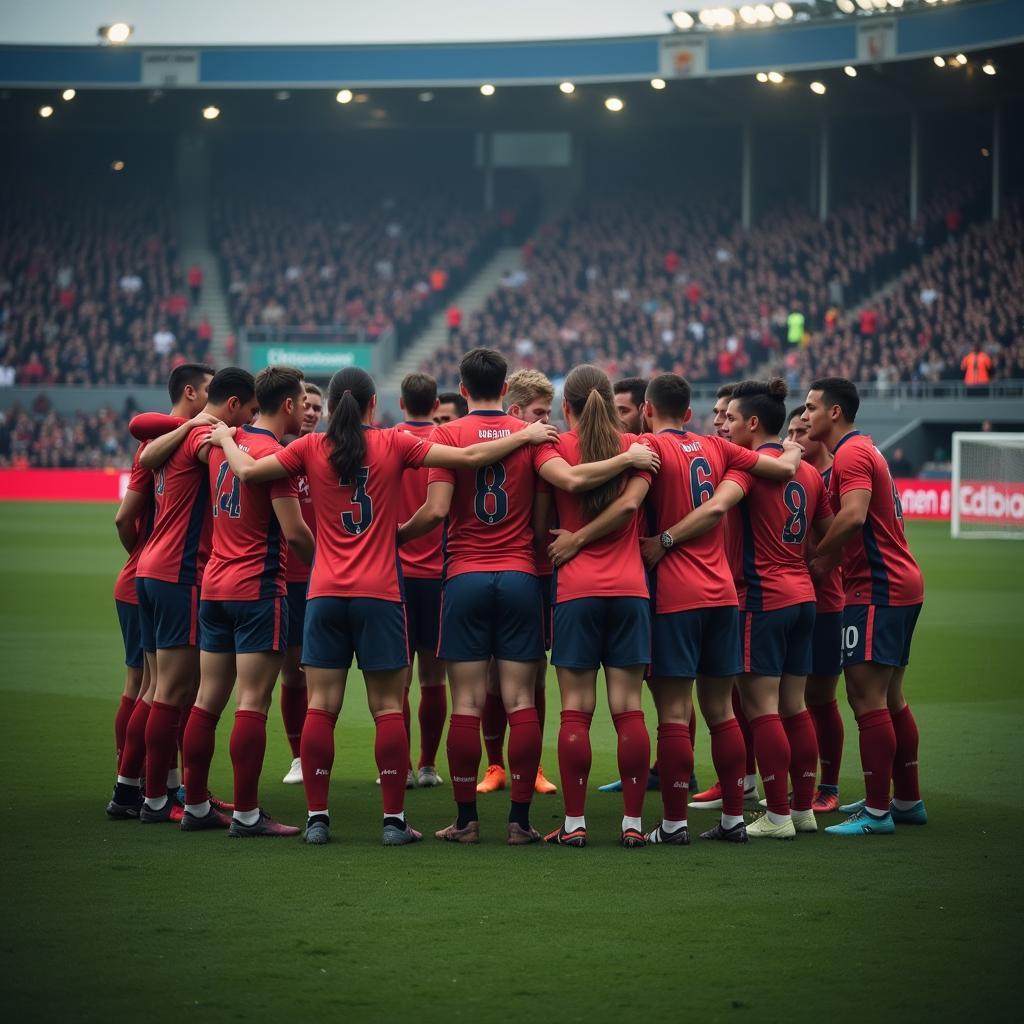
747 177
915 165
997 161
824 163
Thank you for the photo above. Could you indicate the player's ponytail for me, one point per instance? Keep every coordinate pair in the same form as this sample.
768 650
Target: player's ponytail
348 397
589 394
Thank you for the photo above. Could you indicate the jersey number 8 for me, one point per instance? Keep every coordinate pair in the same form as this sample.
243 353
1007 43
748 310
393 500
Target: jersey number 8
491 504
795 498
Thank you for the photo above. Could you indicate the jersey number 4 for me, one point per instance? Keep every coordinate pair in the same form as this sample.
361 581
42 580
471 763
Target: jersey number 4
358 522
491 504
231 502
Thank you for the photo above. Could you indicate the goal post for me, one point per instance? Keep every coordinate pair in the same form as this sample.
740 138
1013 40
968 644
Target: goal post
988 485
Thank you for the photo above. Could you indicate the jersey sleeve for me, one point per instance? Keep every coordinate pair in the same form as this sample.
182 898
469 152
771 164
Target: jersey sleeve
141 479
736 457
741 478
149 425
412 449
195 440
440 435
823 507
293 457
286 488
544 453
854 468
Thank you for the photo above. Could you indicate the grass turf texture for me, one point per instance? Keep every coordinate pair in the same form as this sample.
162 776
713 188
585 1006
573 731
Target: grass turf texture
115 921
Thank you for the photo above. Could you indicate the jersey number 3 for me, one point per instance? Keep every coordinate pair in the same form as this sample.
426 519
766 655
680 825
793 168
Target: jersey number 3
491 504
358 522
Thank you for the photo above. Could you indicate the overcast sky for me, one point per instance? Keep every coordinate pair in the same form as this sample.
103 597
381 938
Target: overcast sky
194 22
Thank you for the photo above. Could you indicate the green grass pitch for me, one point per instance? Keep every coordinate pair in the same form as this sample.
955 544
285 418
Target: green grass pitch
111 921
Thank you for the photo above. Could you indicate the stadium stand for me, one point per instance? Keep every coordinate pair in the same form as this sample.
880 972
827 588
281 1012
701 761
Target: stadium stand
38 437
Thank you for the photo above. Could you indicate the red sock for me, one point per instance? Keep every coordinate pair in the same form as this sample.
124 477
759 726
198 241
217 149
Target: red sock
877 752
161 746
771 748
197 754
494 720
124 713
803 758
728 754
692 730
133 756
248 747
905 784
317 752
524 743
464 756
407 722
433 711
180 742
540 702
391 749
293 713
634 754
574 758
675 767
748 733
828 727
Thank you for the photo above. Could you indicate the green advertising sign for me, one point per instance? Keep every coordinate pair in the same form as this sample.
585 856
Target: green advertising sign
313 360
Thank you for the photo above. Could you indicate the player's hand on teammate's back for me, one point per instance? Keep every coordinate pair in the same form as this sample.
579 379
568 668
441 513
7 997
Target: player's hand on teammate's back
652 551
542 433
642 457
564 548
221 431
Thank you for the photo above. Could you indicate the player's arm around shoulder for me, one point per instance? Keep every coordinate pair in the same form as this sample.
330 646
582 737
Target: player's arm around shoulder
585 476
567 546
485 453
705 517
157 452
244 466
430 514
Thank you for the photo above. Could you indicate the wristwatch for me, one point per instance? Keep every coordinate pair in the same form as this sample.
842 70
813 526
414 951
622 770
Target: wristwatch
666 540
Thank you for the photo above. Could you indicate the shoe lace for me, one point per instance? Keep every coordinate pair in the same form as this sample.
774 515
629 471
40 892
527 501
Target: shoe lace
857 815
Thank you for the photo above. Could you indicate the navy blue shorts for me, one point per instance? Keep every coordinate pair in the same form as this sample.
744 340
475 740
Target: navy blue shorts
423 612
546 583
244 627
168 614
778 642
296 613
491 615
610 631
875 633
371 629
827 644
131 633
703 641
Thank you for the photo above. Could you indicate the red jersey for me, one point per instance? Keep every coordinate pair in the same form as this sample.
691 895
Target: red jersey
248 559
179 546
697 573
421 558
776 519
141 481
490 521
828 594
356 521
540 558
878 567
611 566
296 570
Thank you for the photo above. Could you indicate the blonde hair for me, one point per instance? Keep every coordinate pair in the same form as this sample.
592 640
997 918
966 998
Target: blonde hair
589 394
526 386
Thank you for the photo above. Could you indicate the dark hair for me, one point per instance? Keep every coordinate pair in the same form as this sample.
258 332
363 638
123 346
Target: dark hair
670 395
419 393
231 382
483 372
312 389
589 394
348 396
276 383
765 399
635 387
798 411
725 391
839 391
454 398
188 375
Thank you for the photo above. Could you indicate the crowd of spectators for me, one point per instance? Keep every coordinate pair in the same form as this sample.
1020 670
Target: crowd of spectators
39 437
91 288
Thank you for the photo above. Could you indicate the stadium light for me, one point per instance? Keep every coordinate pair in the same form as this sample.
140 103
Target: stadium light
939 62
764 14
776 77
850 70
68 95
282 95
425 97
818 88
682 20
988 67
658 83
487 89
762 77
984 151
567 88
46 111
879 5
211 113
614 104
116 34
961 59
343 96
782 11
864 5
748 15
846 6
896 3
117 165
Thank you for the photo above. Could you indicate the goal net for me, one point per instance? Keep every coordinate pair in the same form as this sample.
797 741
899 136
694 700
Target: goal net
988 485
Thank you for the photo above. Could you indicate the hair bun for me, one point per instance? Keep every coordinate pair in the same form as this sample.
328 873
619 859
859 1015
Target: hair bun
778 388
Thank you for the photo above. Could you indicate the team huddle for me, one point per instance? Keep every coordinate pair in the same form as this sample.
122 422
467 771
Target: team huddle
477 538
